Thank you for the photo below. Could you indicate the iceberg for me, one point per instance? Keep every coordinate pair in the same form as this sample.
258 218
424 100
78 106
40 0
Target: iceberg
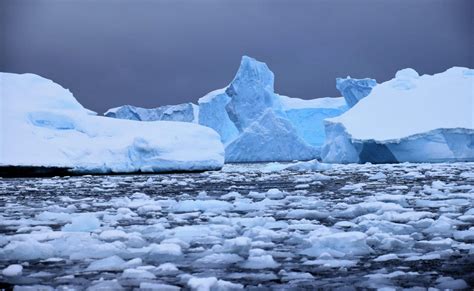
254 123
410 118
251 120
270 138
43 125
185 112
354 90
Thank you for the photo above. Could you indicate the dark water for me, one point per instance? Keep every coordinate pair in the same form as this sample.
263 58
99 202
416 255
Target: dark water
419 212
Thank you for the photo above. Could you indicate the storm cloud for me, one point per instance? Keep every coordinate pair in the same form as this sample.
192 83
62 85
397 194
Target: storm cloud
151 53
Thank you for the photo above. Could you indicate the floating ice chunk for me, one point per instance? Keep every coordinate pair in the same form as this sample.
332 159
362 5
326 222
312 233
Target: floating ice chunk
464 235
202 284
445 283
313 165
137 274
378 176
165 249
113 263
387 257
426 257
202 205
26 250
102 285
13 270
353 187
84 222
289 276
219 259
275 194
332 263
112 235
167 268
158 286
342 244
259 259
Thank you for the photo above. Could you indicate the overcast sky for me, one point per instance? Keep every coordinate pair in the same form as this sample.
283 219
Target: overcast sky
151 53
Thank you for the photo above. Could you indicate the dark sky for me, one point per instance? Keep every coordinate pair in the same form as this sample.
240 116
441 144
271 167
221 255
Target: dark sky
151 53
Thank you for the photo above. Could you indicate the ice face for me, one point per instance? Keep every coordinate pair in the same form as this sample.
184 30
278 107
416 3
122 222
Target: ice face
186 112
47 127
212 113
270 138
407 119
307 116
354 90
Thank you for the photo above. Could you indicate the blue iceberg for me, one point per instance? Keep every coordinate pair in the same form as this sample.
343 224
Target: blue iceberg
410 118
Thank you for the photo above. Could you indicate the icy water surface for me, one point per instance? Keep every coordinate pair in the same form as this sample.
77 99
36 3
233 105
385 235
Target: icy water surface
353 226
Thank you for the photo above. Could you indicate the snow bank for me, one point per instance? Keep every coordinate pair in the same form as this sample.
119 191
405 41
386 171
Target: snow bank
42 124
410 118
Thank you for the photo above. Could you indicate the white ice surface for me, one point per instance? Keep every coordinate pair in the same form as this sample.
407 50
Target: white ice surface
42 124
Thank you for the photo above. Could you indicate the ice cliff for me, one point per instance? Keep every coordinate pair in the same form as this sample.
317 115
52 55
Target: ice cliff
410 118
42 124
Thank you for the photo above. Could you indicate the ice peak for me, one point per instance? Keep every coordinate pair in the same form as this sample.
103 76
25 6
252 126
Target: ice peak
253 72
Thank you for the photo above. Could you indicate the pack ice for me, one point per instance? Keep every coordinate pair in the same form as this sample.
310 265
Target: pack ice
255 123
42 124
410 118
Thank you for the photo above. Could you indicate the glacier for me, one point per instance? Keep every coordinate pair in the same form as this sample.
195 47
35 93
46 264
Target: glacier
411 118
354 90
185 112
43 125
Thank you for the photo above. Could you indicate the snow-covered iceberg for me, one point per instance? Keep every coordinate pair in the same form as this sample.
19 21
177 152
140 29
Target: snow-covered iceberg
410 118
251 120
43 125
185 112
354 90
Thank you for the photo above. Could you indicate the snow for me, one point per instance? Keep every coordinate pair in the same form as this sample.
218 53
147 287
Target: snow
40 112
410 118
